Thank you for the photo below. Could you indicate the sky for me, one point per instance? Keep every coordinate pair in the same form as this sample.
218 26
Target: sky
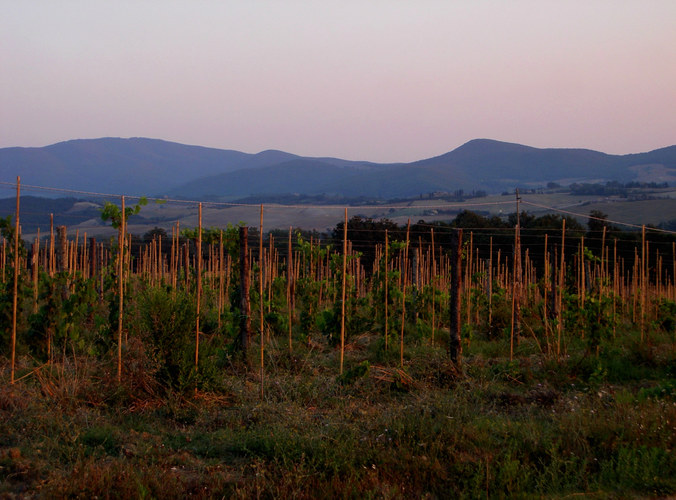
378 80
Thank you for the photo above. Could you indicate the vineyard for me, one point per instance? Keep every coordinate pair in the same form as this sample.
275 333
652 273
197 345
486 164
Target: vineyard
478 357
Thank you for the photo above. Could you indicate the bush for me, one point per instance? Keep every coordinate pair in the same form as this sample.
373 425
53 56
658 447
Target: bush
167 327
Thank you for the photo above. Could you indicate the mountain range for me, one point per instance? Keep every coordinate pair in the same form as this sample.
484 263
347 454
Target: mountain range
153 167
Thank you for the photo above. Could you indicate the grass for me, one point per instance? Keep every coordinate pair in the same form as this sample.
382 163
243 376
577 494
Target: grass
600 426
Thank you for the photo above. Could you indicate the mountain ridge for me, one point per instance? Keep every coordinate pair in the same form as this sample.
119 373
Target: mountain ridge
155 167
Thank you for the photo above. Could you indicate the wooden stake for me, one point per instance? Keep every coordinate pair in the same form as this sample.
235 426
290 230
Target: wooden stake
403 298
433 279
121 239
289 287
245 310
562 276
220 278
36 269
643 281
455 340
387 286
198 286
260 298
545 314
52 266
342 305
16 278
490 284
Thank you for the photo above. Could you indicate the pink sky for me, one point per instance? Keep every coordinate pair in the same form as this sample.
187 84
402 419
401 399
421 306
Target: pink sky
388 80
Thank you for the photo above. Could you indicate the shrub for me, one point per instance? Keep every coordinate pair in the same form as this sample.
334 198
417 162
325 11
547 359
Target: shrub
167 326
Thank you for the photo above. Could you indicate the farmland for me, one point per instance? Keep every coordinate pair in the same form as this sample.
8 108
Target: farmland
635 206
533 356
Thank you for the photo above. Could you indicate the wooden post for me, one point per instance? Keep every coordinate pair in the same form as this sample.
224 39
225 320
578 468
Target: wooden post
289 287
199 286
92 257
84 262
604 262
615 284
16 278
468 279
4 258
455 341
72 267
433 277
583 275
120 279
403 297
186 265
490 283
261 264
52 265
342 304
160 261
559 295
271 270
36 269
245 313
643 281
545 314
516 282
673 275
220 278
62 255
387 286
415 278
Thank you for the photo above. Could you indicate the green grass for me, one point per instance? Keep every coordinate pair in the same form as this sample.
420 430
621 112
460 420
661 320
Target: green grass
600 426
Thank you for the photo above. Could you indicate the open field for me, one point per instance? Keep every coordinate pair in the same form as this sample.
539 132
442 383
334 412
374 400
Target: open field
85 216
599 425
389 362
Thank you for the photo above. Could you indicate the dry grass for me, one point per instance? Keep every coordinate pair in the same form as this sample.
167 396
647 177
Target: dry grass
527 427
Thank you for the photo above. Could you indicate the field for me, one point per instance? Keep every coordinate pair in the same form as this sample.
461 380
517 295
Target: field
650 206
533 426
387 362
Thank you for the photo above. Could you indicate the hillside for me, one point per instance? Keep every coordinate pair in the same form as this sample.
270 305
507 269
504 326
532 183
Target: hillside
490 163
135 166
307 176
139 166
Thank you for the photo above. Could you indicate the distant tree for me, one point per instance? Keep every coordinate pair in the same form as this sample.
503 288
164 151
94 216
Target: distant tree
365 233
156 232
597 221
472 220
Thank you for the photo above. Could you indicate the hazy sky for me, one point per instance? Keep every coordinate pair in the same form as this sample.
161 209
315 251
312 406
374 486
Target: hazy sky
386 80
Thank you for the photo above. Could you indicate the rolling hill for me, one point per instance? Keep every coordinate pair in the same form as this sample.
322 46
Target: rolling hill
140 166
135 166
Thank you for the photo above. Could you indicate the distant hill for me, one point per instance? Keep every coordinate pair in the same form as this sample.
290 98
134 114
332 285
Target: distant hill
135 166
481 164
153 167
493 163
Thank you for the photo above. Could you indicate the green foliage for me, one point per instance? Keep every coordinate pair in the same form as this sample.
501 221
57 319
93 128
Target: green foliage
639 469
599 375
8 231
594 419
328 323
167 326
6 228
113 213
665 389
100 439
666 315
354 373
